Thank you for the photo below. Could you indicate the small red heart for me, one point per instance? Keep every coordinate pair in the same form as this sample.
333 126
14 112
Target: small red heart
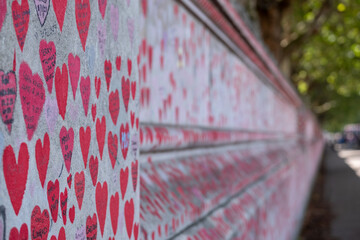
137 123
69 180
8 89
114 105
85 139
134 173
124 139
91 227
60 9
144 7
79 187
72 214
67 145
40 223
93 111
133 89
129 65
113 148
132 118
63 204
22 235
42 155
100 134
114 211
53 198
150 56
136 230
102 7
93 167
85 93
47 52
101 196
74 72
124 177
108 73
15 174
97 86
21 15
129 216
118 63
61 87
83 16
125 88
61 235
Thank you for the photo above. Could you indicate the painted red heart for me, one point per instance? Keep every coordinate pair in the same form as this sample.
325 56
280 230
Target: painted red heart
133 90
93 167
85 93
60 9
134 173
108 73
3 10
61 88
129 65
97 86
93 111
22 235
102 7
69 180
125 88
113 148
72 214
136 230
79 187
74 72
124 139
63 204
61 235
53 198
100 134
114 211
85 139
47 52
32 95
132 118
42 155
91 227
101 196
118 63
124 177
21 15
83 16
15 174
137 123
144 7
114 105
67 145
40 223
8 97
150 57
129 216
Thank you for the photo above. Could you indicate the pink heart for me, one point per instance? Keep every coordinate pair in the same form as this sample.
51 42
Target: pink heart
42 9
114 15
102 38
130 24
67 144
51 113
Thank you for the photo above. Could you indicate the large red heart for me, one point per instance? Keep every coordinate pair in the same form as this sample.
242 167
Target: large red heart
60 9
53 198
124 177
129 216
39 224
83 15
61 235
124 139
32 95
79 187
97 86
134 173
114 211
72 214
47 52
61 87
85 92
129 65
63 204
118 63
7 97
21 15
93 111
113 148
67 144
125 88
93 167
15 174
108 73
74 72
100 134
102 7
91 227
114 105
22 235
85 138
42 155
133 89
101 196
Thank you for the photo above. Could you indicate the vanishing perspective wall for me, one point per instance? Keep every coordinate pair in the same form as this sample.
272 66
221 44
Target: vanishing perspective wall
69 106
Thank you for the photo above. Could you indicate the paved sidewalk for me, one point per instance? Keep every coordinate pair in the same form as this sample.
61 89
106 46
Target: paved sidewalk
342 191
